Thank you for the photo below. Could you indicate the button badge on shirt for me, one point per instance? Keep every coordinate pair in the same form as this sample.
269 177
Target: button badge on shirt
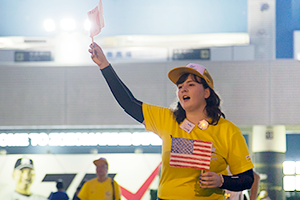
203 124
187 126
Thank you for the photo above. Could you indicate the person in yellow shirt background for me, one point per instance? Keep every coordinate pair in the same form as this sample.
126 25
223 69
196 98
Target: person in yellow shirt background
102 187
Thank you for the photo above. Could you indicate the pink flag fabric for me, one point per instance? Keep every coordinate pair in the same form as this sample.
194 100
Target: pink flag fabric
190 153
97 20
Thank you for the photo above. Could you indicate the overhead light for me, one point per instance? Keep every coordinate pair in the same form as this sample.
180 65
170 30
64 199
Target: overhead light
298 167
289 167
68 24
87 25
49 25
298 182
192 40
289 183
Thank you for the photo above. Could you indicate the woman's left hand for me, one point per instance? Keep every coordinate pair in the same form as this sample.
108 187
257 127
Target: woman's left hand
210 180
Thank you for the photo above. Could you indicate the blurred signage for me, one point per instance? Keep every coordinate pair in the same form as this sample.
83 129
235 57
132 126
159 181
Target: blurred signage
191 54
32 56
79 139
137 54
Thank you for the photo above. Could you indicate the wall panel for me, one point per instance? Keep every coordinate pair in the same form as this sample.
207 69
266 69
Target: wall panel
252 92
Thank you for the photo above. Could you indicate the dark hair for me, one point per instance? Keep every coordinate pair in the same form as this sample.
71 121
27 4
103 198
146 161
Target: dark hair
59 184
212 107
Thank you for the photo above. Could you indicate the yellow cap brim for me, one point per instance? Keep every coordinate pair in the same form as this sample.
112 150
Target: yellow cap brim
175 73
100 161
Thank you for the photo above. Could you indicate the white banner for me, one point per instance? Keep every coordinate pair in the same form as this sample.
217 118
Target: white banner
131 171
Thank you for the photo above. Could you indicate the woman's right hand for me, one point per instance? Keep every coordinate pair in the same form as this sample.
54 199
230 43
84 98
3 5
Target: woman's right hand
98 55
211 180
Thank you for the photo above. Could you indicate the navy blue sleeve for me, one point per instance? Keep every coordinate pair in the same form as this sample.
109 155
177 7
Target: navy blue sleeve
122 94
238 182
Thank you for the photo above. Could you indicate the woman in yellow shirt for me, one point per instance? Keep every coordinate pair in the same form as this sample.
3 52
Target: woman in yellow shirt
198 142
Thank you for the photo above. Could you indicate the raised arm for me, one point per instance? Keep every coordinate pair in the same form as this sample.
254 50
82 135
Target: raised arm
98 56
122 94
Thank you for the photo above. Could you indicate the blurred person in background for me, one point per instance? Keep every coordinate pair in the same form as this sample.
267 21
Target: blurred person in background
24 175
60 194
102 187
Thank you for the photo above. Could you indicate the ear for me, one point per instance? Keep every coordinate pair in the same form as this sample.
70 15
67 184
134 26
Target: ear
206 93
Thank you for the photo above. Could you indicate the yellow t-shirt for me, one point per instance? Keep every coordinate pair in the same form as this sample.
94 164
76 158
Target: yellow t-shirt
94 190
228 148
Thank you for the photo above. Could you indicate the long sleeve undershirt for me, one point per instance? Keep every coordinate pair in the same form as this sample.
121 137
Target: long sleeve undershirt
122 94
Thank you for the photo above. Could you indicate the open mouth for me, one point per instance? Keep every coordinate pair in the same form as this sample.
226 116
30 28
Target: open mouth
185 98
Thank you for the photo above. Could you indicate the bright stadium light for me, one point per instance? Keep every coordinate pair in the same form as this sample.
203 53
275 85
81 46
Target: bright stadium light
49 25
298 167
298 182
68 24
87 25
289 183
289 167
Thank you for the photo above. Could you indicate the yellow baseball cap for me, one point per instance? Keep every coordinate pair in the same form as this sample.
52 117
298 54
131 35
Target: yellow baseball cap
191 68
99 161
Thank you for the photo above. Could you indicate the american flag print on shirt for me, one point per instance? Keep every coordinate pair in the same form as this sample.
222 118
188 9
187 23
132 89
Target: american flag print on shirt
190 153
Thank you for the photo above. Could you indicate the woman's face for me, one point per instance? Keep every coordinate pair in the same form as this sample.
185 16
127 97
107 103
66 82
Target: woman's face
192 94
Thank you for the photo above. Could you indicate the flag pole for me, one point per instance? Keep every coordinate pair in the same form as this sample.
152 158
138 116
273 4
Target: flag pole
93 45
201 172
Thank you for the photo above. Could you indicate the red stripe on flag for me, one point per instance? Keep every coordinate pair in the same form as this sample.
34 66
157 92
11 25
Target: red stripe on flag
201 141
189 162
202 145
194 167
201 152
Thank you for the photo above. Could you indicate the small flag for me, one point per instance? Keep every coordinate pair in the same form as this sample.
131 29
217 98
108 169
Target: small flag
190 153
97 19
